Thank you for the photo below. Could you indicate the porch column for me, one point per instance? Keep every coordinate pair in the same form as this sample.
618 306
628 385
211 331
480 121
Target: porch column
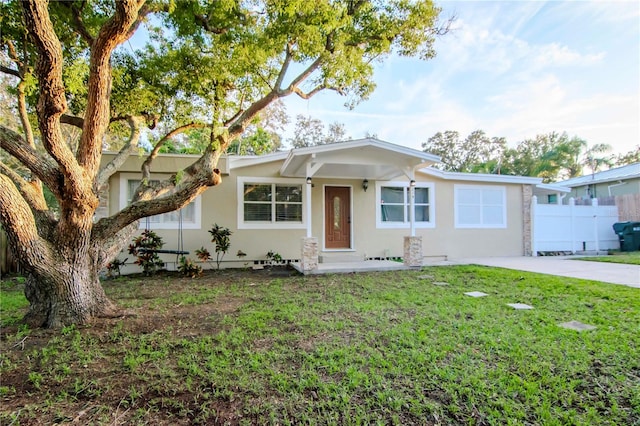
413 252
309 260
307 207
412 207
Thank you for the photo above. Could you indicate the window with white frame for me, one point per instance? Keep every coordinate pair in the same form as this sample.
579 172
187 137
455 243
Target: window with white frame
394 205
170 220
480 206
270 203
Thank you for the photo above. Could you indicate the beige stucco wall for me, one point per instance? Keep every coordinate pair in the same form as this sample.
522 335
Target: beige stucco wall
219 205
444 239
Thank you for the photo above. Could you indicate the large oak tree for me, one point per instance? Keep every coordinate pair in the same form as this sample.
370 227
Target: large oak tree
211 65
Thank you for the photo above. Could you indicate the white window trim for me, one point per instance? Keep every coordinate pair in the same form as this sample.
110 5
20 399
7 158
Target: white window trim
124 188
480 225
241 180
405 225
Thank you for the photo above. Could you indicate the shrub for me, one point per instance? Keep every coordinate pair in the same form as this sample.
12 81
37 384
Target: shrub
188 268
144 248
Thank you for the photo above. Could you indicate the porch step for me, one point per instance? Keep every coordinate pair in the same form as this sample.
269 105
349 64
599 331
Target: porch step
339 258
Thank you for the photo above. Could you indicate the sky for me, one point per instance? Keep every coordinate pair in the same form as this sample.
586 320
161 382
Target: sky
514 69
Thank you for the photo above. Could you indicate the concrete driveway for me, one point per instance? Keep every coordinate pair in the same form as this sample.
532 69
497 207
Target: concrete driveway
564 266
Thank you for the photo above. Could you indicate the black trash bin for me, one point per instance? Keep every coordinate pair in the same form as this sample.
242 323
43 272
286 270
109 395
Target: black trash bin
628 234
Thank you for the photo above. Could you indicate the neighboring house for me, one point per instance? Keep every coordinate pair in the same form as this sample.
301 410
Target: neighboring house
345 200
618 181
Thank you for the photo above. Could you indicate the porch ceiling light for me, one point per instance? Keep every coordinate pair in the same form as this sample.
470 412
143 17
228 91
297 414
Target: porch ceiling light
412 183
365 184
309 180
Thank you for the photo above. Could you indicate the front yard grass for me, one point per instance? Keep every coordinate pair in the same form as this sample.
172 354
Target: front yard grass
378 348
629 258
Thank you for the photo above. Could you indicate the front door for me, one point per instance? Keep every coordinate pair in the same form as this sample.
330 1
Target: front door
337 214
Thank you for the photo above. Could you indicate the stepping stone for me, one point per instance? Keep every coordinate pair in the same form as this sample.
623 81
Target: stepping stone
476 294
577 326
440 283
425 277
519 306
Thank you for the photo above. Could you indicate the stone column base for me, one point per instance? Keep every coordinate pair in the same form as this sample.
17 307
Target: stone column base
309 259
413 252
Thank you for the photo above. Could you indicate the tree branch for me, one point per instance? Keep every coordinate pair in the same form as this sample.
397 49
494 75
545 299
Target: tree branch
24 114
197 178
10 71
144 10
31 194
284 67
239 124
72 120
125 151
146 166
21 228
51 102
204 23
96 118
109 248
78 22
303 76
310 94
16 146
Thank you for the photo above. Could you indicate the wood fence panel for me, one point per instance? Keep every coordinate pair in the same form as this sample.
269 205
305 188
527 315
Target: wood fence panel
628 207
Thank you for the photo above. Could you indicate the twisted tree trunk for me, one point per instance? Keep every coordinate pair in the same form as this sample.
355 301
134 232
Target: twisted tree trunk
71 294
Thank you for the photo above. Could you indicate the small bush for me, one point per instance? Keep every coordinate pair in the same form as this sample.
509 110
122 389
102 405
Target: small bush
144 248
188 268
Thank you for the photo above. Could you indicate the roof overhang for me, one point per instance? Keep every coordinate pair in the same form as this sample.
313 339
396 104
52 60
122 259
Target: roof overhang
481 177
358 159
548 188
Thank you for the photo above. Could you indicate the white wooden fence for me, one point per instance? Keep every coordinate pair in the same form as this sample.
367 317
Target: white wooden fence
573 228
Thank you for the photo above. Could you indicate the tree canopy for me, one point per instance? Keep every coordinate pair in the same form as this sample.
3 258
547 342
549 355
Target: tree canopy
310 131
551 156
466 155
210 67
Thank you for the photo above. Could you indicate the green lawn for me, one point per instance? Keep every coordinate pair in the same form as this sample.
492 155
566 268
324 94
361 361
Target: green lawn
629 258
358 349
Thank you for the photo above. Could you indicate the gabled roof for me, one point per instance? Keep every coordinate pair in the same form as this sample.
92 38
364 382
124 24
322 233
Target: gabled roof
367 158
629 171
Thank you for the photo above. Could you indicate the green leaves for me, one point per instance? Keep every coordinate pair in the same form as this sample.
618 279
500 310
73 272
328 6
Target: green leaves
223 61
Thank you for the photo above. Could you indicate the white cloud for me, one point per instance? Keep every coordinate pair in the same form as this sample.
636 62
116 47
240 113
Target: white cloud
513 69
557 55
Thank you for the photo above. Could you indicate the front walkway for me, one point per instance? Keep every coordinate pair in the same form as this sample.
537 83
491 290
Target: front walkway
564 266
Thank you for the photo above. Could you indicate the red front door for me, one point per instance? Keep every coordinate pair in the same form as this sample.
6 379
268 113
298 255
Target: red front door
337 213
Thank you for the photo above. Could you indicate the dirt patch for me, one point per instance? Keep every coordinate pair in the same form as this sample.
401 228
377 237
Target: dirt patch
95 390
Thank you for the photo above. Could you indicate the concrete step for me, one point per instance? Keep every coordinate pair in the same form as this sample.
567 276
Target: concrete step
339 258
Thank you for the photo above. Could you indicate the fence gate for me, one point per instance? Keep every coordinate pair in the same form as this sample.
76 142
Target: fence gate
571 228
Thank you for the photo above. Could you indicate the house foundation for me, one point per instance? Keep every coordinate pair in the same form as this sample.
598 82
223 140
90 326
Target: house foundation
413 252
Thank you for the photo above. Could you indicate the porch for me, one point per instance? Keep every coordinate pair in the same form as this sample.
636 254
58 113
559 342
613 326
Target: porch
366 161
